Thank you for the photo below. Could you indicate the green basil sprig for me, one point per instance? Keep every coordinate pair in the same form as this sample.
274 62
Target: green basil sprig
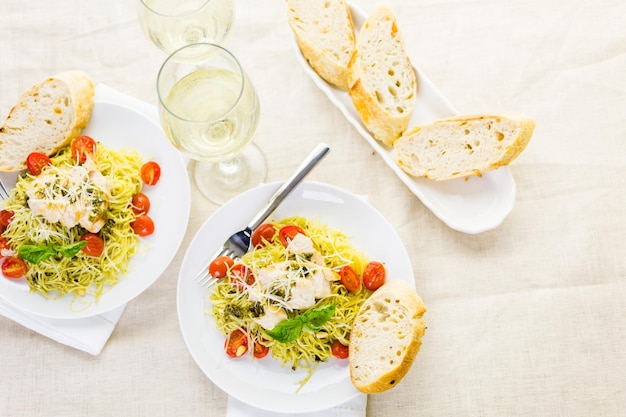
290 329
38 253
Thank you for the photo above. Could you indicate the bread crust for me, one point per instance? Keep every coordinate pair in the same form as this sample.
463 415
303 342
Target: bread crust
83 92
386 115
419 152
364 344
21 134
331 64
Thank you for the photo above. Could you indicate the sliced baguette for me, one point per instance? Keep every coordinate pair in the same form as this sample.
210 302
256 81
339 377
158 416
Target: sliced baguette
324 32
386 337
46 117
463 146
383 83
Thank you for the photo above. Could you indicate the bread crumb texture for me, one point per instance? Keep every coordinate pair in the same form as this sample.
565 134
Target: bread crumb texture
46 110
383 56
46 117
383 84
386 337
463 146
324 32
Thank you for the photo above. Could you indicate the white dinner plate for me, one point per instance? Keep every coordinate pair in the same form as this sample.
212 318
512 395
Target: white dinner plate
472 206
264 383
118 126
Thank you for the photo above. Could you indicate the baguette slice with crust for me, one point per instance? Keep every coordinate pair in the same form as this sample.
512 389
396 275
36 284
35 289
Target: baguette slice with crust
46 117
324 32
463 146
383 83
386 337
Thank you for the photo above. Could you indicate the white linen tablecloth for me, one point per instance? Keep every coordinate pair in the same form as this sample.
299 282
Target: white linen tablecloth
523 320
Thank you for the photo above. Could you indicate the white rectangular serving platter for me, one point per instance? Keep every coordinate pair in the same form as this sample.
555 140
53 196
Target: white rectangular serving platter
470 205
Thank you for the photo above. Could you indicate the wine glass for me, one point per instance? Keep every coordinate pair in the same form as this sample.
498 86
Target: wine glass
172 24
210 111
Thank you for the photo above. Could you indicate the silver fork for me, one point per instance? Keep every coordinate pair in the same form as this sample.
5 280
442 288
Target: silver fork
4 192
239 243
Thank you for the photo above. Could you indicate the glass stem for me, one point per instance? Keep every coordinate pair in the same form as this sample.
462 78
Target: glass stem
231 173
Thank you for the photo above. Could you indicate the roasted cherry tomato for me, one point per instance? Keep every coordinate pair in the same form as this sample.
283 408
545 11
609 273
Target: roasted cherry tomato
236 344
150 173
220 266
140 204
287 233
374 275
262 234
241 276
339 350
13 267
36 161
6 217
143 225
349 278
94 246
4 243
82 147
260 350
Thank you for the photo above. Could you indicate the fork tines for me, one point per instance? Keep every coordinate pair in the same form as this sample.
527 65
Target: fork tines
204 278
4 193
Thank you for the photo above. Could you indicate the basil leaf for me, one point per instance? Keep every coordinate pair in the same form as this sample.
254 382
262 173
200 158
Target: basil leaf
38 253
34 253
290 329
69 251
318 316
287 330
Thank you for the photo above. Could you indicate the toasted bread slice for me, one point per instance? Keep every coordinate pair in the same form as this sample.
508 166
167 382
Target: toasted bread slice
324 32
386 337
463 146
383 84
46 117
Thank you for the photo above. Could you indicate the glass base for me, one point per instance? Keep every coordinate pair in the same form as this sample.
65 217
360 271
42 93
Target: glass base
221 181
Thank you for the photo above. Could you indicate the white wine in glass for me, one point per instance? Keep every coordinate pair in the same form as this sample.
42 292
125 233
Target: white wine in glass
172 24
210 111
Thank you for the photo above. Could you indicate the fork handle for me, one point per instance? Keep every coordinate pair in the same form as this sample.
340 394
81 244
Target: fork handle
287 187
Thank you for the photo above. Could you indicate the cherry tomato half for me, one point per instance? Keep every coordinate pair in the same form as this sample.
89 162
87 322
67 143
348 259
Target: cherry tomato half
94 246
140 203
6 217
220 266
236 344
339 350
349 278
36 161
262 235
82 147
143 225
13 267
150 173
374 275
241 276
287 233
260 350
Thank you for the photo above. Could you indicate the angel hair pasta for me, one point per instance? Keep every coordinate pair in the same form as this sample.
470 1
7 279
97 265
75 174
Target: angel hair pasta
68 199
295 304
